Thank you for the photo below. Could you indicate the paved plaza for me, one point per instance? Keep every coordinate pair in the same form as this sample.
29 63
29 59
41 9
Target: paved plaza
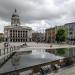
68 71
42 46
35 46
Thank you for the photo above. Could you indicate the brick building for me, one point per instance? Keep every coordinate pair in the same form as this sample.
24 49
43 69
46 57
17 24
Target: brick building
50 35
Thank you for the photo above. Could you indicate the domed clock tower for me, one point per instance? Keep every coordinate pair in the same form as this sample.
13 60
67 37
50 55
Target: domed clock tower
15 20
17 32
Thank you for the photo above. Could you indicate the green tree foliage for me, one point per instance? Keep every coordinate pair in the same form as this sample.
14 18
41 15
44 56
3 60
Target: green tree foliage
61 35
60 52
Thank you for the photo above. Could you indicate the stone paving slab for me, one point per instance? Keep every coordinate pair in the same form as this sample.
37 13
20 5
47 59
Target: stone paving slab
68 71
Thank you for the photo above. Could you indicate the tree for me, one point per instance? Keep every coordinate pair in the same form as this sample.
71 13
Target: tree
62 52
61 35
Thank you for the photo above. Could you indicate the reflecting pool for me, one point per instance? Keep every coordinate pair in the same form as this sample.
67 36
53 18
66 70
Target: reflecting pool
22 60
66 52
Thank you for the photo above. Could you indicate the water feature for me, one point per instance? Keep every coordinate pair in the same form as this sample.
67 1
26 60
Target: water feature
23 60
66 52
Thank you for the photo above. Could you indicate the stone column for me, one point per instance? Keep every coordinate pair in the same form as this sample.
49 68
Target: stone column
22 36
12 35
8 39
17 35
27 37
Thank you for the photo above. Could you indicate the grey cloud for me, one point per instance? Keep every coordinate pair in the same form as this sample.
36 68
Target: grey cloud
60 2
37 10
29 10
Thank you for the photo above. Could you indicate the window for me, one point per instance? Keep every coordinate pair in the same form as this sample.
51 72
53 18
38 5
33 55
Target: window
71 28
10 30
70 33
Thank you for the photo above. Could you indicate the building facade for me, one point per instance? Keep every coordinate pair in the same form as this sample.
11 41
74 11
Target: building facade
1 37
59 27
70 32
15 32
50 35
38 37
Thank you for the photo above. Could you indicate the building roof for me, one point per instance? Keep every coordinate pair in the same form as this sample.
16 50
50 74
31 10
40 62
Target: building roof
1 33
50 28
19 27
70 23
15 13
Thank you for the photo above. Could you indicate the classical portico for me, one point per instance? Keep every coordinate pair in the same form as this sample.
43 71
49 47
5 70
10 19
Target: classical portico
15 32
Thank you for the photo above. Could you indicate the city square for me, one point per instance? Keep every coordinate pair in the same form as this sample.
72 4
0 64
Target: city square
37 37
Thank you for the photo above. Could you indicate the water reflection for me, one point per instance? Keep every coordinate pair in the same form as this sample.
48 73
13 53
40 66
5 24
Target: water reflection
36 57
15 60
40 56
72 52
66 52
44 54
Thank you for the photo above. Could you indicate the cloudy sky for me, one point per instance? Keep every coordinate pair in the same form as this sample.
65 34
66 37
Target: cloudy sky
38 14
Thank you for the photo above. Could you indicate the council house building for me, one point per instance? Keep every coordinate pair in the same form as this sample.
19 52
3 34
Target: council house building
15 32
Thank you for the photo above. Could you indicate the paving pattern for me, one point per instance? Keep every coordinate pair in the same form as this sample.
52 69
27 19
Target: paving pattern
68 71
